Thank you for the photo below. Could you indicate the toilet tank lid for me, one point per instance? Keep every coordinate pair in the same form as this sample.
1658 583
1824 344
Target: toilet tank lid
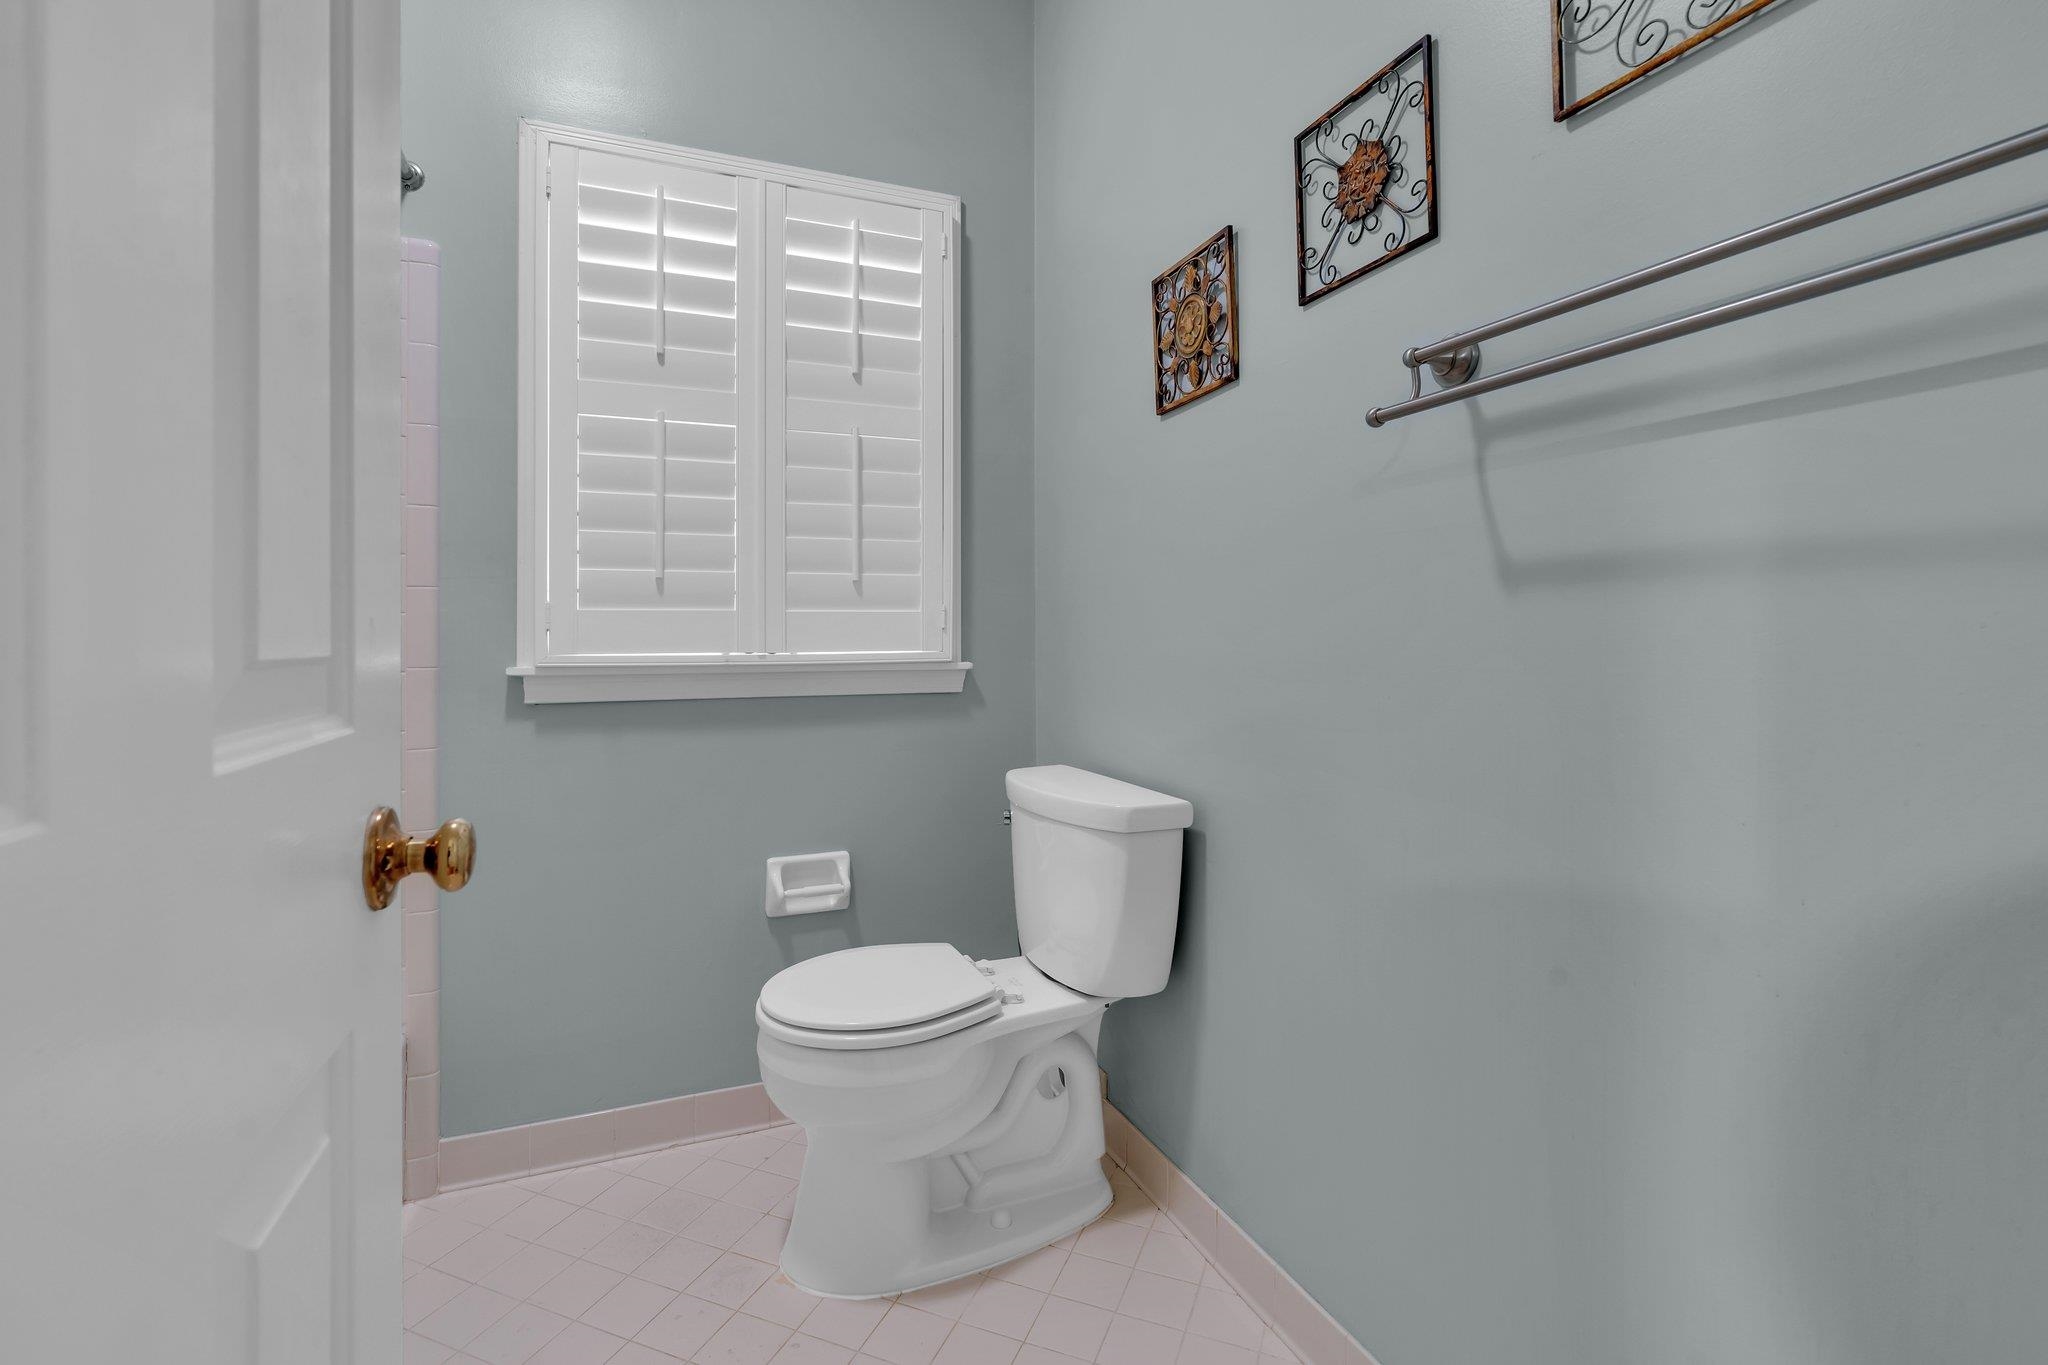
1093 801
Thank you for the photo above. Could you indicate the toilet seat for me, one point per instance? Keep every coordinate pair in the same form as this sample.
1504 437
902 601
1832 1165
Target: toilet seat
873 1040
883 996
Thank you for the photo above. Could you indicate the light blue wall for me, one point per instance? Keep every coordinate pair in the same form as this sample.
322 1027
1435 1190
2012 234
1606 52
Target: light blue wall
611 946
1617 920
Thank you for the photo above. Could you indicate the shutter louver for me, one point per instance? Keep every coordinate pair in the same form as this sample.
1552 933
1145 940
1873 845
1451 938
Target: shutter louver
855 438
650 418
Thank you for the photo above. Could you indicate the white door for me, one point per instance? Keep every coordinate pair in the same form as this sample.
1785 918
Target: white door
199 497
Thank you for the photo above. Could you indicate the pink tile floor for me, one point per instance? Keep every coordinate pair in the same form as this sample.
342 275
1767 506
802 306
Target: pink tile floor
671 1256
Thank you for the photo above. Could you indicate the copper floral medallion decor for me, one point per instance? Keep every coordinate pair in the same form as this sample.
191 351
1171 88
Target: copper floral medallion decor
1600 47
1365 177
1194 324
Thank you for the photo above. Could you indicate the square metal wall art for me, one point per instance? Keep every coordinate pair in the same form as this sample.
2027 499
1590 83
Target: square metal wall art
1365 176
1601 47
1194 324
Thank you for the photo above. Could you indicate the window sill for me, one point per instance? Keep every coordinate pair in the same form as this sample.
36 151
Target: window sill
549 683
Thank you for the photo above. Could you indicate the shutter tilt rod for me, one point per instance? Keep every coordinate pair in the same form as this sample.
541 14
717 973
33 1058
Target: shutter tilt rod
661 275
856 304
661 501
856 507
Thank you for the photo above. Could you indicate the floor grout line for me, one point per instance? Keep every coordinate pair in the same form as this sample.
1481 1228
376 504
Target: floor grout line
699 1283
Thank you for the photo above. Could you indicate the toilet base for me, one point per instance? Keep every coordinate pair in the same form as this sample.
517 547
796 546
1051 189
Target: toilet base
961 1241
935 1159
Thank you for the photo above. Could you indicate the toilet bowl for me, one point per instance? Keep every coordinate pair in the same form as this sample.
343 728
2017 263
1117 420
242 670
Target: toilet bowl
953 1107
905 1183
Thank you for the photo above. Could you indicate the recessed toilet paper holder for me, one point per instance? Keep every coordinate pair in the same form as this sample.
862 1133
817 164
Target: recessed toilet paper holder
808 883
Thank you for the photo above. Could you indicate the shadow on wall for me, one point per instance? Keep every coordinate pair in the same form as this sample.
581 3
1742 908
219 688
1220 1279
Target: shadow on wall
2019 542
1913 1198
1615 415
1172 1108
802 936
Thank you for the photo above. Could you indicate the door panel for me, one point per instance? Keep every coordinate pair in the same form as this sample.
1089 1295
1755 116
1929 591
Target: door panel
199 501
284 1291
281 575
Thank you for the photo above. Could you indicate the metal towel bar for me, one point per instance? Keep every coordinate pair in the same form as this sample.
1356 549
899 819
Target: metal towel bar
1454 359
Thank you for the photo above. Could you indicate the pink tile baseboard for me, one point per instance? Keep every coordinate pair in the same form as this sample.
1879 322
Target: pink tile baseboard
504 1153
1312 1334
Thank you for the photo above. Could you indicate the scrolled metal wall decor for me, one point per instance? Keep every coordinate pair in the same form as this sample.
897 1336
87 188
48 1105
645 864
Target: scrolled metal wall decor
1365 176
1194 324
1608 45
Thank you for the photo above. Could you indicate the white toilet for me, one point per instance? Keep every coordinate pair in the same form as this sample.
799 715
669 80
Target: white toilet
952 1106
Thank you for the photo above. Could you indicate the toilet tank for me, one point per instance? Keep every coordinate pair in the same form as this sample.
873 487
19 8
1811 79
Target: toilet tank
1097 869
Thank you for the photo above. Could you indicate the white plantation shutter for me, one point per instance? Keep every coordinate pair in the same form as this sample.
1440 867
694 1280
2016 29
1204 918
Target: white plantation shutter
653 527
737 433
855 434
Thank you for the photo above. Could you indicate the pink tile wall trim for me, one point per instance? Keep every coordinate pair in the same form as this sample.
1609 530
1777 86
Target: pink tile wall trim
1312 1334
419 764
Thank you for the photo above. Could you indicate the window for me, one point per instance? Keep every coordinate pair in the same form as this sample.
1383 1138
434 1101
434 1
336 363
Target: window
738 427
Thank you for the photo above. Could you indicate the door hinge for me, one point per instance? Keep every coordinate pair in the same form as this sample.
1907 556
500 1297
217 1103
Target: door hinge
945 615
945 245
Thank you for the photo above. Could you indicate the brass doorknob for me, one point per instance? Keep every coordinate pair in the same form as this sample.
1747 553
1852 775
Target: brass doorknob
448 855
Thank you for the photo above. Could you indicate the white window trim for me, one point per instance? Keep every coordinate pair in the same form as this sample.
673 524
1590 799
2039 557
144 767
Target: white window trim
583 678
679 682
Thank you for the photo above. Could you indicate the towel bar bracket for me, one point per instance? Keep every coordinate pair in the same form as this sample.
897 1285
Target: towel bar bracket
1451 369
